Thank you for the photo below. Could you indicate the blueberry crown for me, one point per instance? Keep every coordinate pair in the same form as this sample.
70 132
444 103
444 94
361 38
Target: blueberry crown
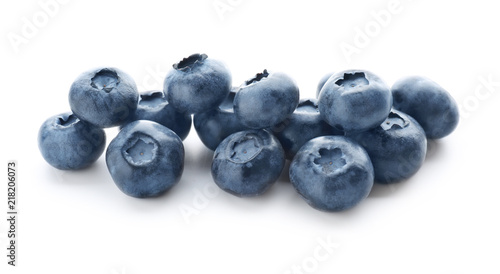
394 121
192 61
308 106
152 99
352 80
106 80
66 120
258 77
330 160
244 148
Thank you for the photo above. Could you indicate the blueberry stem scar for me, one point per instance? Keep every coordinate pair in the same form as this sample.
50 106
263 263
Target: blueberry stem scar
394 121
245 149
67 121
154 99
352 80
142 150
330 160
105 80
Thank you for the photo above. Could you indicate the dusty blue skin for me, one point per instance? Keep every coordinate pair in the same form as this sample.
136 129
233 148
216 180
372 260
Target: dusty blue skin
355 100
332 173
153 106
104 97
248 162
431 105
396 148
304 124
216 124
197 84
68 143
145 159
266 100
322 82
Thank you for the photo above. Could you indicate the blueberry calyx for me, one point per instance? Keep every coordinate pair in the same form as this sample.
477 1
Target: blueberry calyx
66 121
394 121
308 106
154 99
141 150
259 76
330 160
105 79
244 149
352 80
190 62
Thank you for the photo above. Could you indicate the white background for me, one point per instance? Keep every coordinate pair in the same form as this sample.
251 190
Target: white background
442 220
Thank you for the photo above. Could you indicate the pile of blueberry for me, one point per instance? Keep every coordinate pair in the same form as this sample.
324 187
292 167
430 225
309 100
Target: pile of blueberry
356 132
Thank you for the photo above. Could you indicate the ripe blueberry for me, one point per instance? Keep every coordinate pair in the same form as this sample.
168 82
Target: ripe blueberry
104 97
145 159
247 163
355 100
396 148
430 104
266 100
67 142
332 173
197 84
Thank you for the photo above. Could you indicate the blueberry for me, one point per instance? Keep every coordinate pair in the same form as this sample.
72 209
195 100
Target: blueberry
216 124
67 142
197 84
145 159
431 105
332 173
104 97
153 106
396 148
355 100
304 124
322 82
266 100
247 163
